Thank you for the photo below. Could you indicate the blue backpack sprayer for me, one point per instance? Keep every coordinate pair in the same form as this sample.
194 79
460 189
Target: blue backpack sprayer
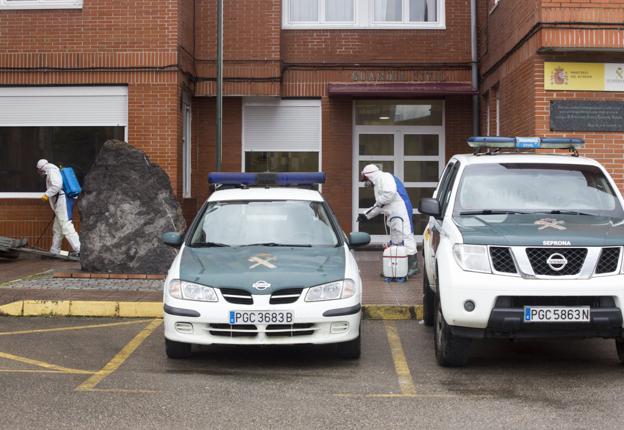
72 189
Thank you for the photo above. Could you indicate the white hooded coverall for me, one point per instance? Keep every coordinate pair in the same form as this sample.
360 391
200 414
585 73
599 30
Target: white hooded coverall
389 202
62 224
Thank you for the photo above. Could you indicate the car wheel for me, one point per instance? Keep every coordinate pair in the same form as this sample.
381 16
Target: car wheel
177 350
450 350
619 346
428 301
350 350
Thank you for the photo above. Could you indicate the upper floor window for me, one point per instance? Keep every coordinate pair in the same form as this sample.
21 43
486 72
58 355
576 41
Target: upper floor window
349 14
40 4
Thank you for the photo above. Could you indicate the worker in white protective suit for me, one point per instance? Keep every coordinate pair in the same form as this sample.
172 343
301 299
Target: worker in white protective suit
391 199
55 195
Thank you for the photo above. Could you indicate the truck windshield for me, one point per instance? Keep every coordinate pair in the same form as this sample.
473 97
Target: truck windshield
264 223
535 188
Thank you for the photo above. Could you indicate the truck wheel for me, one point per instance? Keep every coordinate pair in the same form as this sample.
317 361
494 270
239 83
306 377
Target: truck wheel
619 346
428 301
450 351
350 350
177 350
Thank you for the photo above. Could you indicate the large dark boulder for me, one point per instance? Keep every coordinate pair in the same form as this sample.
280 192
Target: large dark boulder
127 203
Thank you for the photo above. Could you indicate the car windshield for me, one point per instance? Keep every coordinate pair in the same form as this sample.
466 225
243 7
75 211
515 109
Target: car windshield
535 188
266 223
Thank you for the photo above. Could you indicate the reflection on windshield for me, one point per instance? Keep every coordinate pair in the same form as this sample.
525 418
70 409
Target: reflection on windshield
535 188
264 223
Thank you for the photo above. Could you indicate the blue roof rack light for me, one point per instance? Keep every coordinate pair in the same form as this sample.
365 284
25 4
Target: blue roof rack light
265 179
525 142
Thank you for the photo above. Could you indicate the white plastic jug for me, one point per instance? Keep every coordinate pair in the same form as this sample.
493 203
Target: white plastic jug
395 262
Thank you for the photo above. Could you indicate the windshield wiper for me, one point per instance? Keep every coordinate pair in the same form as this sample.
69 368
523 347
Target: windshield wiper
564 212
279 244
208 245
491 212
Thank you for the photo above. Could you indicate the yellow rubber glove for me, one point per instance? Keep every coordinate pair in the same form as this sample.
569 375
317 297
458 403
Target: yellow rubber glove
45 197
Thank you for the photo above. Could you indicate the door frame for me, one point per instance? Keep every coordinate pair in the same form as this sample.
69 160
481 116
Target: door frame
398 131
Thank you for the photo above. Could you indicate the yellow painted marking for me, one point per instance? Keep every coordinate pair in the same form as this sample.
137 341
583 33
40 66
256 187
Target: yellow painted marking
93 309
69 328
141 309
33 371
33 308
82 308
416 396
115 390
391 312
120 357
43 364
406 384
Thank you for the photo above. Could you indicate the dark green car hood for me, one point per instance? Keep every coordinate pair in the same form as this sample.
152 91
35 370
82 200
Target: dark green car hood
538 230
237 267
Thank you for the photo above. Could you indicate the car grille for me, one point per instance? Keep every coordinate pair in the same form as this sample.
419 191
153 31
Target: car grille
235 295
609 259
539 256
228 330
520 301
288 295
502 260
289 330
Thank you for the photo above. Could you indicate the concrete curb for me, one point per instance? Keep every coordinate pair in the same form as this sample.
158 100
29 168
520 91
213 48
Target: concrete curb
120 309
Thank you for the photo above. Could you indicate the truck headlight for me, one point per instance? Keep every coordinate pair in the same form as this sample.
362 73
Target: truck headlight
331 291
472 258
189 291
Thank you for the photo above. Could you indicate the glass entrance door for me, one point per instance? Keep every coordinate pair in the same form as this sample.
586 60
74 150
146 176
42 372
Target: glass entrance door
413 153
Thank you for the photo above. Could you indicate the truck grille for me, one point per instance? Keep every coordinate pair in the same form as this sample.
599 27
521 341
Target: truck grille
288 295
502 260
609 259
539 260
237 296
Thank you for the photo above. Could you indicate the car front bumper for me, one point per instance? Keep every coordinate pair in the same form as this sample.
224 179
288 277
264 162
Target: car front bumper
200 323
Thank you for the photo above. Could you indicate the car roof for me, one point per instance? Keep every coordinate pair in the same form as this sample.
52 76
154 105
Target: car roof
469 159
266 193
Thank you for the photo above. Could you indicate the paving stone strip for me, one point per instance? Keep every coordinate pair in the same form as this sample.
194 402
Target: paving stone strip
46 281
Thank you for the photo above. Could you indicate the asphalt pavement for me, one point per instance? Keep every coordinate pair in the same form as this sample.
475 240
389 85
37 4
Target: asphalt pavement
102 373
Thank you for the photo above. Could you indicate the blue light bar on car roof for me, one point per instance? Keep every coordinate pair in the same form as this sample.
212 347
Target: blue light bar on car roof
277 178
525 142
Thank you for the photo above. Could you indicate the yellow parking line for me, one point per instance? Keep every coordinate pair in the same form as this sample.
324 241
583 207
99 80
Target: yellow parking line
43 364
33 371
120 357
406 384
115 390
69 328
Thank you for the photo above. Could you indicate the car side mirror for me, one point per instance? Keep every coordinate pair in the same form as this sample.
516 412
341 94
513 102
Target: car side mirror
429 206
173 238
359 238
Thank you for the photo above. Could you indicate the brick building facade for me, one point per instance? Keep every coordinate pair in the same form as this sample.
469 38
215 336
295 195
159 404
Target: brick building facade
327 85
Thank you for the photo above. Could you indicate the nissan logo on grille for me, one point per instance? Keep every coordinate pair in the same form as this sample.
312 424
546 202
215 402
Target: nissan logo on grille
261 285
557 262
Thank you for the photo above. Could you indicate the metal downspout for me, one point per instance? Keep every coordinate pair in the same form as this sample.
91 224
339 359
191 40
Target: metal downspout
475 68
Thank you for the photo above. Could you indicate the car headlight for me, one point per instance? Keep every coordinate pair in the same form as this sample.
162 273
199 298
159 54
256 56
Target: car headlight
472 258
331 291
189 291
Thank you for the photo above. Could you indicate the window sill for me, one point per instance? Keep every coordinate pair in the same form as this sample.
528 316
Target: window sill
433 26
34 196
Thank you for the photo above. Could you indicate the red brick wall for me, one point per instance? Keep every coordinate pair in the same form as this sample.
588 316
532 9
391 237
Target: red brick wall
458 125
384 46
203 146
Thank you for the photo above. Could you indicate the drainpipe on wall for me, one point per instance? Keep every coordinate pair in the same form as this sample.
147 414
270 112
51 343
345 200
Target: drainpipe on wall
219 84
475 69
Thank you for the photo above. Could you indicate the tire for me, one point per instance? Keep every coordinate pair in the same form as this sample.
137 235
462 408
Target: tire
177 350
350 350
619 347
450 350
428 301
